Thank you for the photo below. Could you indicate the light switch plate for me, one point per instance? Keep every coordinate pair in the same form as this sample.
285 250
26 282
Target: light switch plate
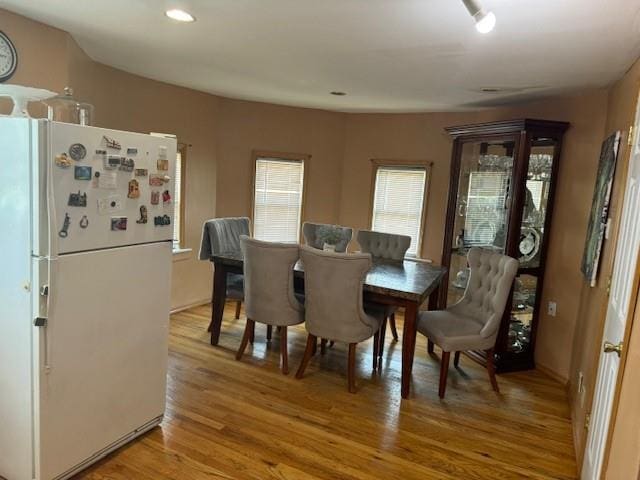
551 309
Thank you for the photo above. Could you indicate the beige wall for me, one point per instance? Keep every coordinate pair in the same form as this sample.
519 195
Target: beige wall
592 302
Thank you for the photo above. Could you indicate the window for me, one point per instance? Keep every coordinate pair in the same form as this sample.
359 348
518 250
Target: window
178 198
399 200
277 196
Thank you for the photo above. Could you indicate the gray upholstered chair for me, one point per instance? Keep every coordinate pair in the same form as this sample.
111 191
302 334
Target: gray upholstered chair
222 235
317 234
268 288
334 308
388 246
473 322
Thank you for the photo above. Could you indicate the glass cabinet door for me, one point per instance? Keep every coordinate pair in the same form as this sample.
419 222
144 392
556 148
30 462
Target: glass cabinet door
482 206
530 243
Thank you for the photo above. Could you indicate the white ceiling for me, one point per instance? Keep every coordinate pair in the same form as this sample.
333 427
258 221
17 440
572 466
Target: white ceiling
388 55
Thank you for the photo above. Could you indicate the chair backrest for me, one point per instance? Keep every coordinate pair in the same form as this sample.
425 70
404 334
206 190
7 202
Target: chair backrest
490 279
384 245
333 294
268 282
317 234
222 235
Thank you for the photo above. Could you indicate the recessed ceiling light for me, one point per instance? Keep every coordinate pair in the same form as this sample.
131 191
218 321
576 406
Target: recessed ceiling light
485 21
338 94
179 15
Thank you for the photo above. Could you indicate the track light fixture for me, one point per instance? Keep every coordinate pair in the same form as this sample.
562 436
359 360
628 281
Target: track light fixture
485 21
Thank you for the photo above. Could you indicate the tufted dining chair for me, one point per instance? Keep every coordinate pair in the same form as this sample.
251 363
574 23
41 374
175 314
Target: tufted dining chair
219 236
317 234
473 322
268 288
334 308
387 246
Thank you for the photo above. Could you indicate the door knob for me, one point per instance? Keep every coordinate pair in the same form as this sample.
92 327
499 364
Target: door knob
610 347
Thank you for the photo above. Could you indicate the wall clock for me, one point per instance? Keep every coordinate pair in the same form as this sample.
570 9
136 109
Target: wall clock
8 58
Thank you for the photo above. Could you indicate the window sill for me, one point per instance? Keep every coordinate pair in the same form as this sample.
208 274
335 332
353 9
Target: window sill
181 253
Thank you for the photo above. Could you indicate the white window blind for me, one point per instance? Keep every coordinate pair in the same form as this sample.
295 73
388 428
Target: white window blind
177 203
485 207
278 199
398 201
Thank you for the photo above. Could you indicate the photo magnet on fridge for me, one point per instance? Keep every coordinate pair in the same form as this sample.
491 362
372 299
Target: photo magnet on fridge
142 172
82 172
118 223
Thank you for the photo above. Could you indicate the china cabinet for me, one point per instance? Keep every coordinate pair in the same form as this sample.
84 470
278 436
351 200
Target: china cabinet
503 178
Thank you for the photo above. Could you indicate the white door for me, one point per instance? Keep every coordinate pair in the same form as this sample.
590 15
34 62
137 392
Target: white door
103 353
617 312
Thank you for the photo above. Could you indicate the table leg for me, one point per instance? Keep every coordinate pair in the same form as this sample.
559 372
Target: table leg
218 298
408 345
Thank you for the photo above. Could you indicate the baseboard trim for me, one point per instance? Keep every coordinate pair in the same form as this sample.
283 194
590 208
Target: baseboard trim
550 373
190 305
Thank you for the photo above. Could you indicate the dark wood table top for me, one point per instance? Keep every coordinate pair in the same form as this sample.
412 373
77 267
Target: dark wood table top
409 279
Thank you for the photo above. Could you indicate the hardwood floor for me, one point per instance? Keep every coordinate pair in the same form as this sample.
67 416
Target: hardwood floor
245 420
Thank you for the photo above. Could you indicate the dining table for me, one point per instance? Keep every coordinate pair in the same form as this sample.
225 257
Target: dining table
407 284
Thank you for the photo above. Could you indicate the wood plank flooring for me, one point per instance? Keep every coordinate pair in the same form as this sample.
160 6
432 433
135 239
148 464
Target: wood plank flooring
245 420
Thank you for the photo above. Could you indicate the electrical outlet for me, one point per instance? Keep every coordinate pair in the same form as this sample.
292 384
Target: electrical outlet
551 309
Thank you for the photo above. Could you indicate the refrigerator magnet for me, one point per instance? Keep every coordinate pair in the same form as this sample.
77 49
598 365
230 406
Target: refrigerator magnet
108 180
143 215
155 197
156 180
77 199
84 222
162 220
162 152
142 172
65 226
134 189
110 204
132 151
77 151
101 152
166 197
127 164
111 143
163 164
82 172
62 160
118 223
111 162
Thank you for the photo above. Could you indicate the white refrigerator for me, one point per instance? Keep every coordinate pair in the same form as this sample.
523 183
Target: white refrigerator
86 223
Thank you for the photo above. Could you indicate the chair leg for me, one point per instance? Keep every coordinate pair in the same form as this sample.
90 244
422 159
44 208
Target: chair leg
491 368
444 371
314 348
238 307
456 359
376 348
323 346
392 323
331 343
252 335
248 329
351 372
269 332
308 353
429 346
283 350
